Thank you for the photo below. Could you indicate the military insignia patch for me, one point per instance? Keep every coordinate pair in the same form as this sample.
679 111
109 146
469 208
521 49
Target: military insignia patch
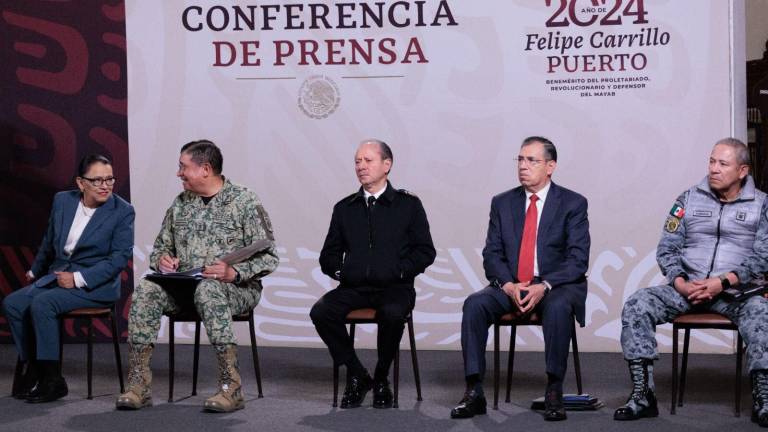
672 224
741 216
677 211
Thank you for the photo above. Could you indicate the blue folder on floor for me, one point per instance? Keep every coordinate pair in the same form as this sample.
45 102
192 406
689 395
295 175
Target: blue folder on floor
572 402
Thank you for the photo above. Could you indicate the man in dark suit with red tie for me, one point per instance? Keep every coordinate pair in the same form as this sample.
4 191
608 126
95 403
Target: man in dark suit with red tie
535 257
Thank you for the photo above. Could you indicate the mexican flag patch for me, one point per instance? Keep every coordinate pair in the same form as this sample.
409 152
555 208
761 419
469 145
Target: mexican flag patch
677 211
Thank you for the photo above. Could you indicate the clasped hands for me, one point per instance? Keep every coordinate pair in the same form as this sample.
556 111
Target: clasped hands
699 291
525 295
64 279
219 270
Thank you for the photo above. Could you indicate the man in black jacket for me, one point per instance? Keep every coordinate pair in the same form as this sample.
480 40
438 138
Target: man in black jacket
378 242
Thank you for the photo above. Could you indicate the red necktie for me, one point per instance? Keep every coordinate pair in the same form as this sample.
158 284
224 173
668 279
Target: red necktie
528 245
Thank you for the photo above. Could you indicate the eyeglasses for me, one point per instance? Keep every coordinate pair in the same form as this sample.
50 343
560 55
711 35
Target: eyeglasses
98 181
521 160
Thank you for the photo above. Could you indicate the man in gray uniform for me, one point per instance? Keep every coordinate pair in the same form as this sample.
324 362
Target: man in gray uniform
715 237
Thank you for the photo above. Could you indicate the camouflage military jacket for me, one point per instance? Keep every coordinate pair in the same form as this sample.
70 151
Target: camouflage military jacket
197 233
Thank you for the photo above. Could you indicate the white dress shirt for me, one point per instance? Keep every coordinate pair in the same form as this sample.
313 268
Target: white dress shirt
376 195
83 215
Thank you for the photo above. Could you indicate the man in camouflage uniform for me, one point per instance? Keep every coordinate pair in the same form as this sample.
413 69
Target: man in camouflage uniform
211 218
715 237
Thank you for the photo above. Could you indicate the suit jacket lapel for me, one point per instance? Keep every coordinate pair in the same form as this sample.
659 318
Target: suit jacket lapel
67 217
99 216
517 210
551 206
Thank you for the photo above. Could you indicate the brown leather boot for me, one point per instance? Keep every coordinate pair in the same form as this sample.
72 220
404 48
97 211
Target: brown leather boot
230 395
139 393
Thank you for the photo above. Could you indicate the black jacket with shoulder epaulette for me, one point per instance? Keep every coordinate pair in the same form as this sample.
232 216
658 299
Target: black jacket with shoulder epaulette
389 245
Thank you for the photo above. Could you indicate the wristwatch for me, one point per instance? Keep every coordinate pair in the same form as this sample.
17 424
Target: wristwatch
547 287
725 281
238 278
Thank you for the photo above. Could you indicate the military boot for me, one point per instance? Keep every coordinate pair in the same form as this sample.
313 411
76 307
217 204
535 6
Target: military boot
139 393
642 401
760 397
230 395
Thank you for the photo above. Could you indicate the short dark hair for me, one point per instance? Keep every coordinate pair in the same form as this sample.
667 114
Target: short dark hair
205 151
550 151
87 161
741 149
384 150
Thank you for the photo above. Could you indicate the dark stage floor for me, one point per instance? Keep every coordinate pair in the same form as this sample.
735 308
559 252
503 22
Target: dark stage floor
298 392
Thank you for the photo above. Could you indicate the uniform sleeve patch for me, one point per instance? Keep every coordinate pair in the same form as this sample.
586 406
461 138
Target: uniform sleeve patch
672 224
677 211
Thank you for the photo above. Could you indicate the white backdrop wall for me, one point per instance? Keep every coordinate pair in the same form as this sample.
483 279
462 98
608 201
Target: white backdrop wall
454 100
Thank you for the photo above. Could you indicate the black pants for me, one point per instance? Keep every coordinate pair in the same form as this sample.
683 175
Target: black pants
485 307
392 304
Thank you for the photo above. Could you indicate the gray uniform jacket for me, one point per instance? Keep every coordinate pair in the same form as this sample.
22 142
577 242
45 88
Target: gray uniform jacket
704 237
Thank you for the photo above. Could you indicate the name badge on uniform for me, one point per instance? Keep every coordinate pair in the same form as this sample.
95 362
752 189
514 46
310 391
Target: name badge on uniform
702 213
741 216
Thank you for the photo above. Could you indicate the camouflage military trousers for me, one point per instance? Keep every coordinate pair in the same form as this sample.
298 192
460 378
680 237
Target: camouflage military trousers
215 302
649 307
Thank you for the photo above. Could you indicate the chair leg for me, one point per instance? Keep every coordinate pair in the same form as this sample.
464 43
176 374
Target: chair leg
352 333
674 368
739 350
414 358
171 359
17 377
576 362
684 366
89 364
196 358
255 354
116 343
61 345
496 329
511 360
396 380
335 385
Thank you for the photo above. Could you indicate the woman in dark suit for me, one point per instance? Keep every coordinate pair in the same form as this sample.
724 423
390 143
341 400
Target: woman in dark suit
88 243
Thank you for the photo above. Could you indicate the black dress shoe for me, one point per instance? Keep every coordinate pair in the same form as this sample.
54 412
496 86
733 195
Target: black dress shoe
354 393
26 388
27 382
25 391
48 390
471 405
554 409
382 395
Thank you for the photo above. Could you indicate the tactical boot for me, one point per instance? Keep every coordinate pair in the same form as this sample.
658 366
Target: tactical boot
760 397
642 401
139 394
230 395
